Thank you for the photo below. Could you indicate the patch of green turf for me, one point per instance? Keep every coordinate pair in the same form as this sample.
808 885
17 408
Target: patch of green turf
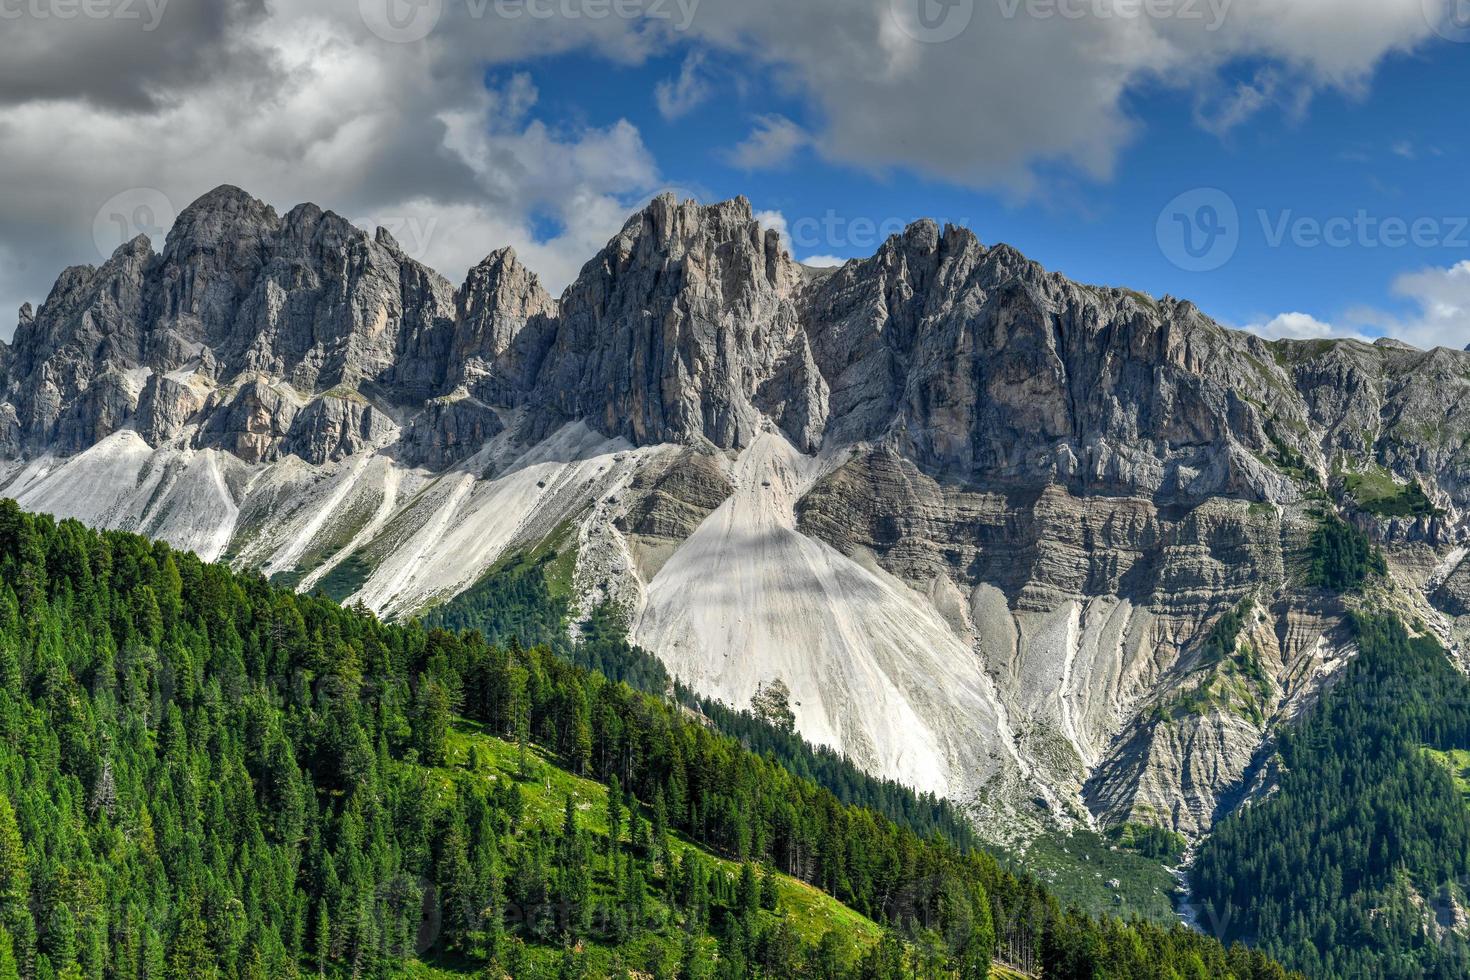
1377 492
1078 867
349 576
544 791
1457 761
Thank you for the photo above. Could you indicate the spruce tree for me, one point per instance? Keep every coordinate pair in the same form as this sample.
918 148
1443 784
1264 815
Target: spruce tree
15 886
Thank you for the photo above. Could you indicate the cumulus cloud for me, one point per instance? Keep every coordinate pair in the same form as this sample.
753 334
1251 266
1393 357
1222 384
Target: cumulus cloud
823 261
773 220
123 55
1299 326
771 143
1440 314
1002 87
677 97
306 101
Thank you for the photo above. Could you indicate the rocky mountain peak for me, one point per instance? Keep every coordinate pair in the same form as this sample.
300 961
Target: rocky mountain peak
944 481
224 215
693 326
669 334
492 354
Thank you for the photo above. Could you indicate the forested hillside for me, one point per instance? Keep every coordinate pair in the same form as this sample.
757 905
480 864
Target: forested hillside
1356 866
527 599
205 776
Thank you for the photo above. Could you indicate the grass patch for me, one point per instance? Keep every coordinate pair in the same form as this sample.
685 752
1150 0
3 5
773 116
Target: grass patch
1085 869
1142 299
1234 679
1236 686
475 754
1377 492
350 575
1457 762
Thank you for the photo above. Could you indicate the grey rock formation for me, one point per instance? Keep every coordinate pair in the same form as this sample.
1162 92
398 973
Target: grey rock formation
1067 484
505 322
165 407
667 335
250 420
447 431
336 425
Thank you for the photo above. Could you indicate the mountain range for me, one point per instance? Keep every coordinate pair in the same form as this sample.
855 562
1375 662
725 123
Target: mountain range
976 522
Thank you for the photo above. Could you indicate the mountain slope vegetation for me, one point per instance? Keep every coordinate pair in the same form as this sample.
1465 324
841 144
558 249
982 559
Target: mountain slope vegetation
206 776
1357 865
525 599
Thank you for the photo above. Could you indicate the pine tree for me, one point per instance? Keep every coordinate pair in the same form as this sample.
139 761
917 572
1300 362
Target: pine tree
9 969
573 964
614 814
15 887
190 957
748 898
661 827
432 723
323 938
770 898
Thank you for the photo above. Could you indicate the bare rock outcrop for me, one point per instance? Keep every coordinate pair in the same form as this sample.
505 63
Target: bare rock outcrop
1046 493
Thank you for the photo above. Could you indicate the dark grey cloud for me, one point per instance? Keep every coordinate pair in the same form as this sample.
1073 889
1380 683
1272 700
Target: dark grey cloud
309 100
128 55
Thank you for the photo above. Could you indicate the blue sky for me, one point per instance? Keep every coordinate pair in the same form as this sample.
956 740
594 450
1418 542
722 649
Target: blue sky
1094 135
1398 148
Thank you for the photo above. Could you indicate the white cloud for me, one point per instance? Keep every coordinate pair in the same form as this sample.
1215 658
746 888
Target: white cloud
772 143
1441 297
1440 318
773 220
823 261
301 101
306 105
1024 84
1220 111
1298 326
677 97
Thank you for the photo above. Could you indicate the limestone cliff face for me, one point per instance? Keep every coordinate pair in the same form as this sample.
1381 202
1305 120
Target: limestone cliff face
670 333
976 517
